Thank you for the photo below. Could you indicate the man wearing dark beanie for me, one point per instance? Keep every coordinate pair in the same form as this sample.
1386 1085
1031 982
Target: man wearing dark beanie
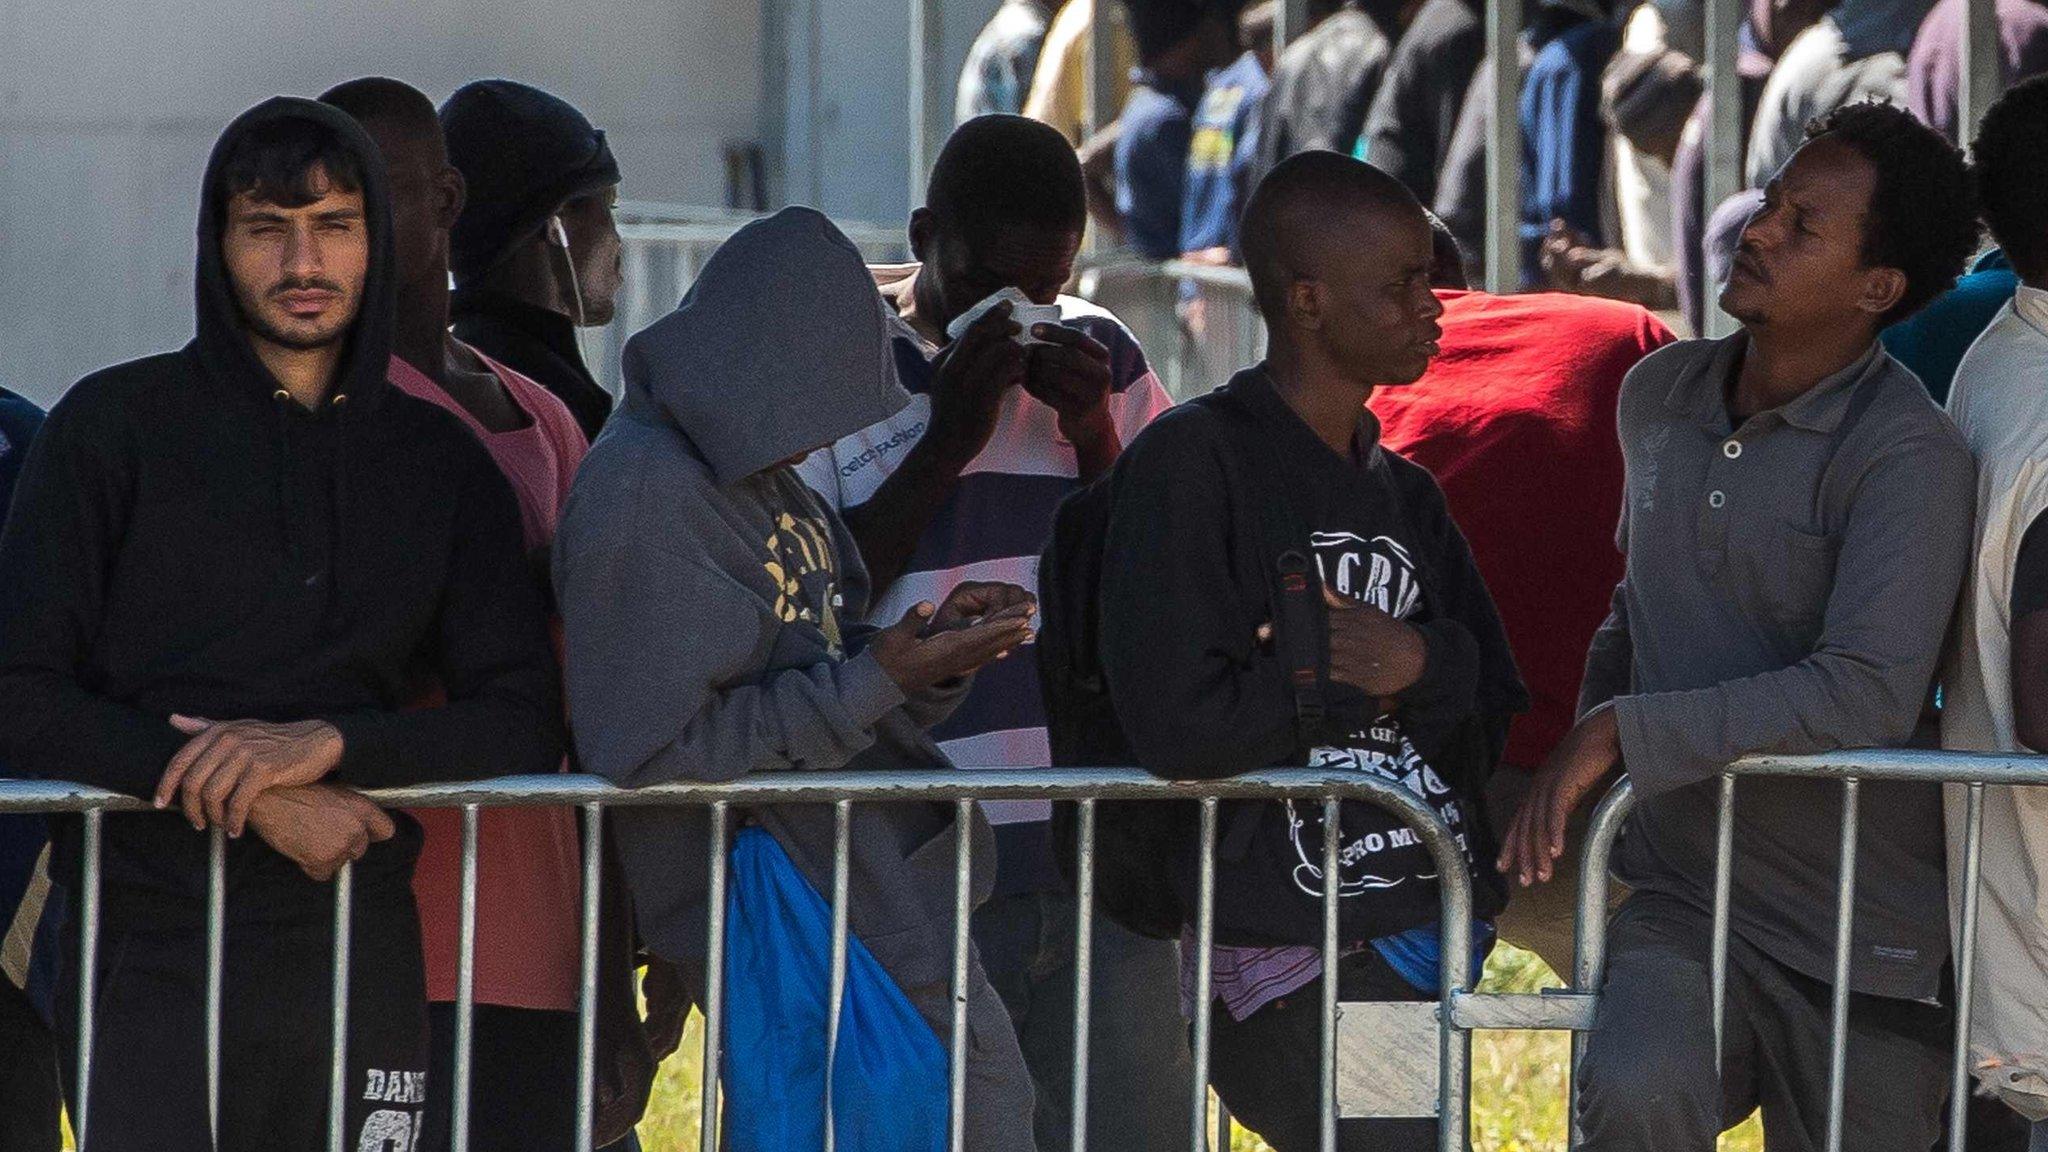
535 252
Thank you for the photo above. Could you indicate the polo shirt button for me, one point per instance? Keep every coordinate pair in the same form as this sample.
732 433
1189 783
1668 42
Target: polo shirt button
1732 449
1716 498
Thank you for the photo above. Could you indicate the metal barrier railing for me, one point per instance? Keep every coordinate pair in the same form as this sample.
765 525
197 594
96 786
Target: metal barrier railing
1976 771
843 790
1460 1009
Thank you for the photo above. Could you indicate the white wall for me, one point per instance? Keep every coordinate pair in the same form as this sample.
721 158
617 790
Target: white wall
860 162
108 108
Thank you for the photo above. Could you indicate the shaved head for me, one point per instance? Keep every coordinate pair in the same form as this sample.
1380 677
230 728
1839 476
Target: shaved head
426 194
1340 256
1312 212
395 114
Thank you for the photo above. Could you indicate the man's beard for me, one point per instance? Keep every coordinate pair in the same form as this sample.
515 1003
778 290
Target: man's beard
259 323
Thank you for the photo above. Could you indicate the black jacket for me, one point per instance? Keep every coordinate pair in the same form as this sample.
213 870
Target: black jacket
536 343
1323 86
1185 587
185 539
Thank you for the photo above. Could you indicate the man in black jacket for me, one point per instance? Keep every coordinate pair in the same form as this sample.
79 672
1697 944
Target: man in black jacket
536 251
1415 670
225 570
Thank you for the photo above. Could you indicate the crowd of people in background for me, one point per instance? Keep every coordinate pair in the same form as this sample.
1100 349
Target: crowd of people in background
378 524
1613 115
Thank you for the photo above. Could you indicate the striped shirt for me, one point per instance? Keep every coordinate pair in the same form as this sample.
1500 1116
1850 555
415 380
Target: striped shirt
992 527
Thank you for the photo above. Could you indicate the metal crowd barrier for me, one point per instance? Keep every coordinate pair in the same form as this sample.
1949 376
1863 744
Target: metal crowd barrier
1460 1009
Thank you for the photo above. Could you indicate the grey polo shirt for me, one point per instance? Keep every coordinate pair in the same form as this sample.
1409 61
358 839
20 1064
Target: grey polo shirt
1787 588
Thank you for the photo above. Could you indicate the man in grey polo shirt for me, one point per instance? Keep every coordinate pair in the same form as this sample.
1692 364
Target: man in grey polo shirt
1796 522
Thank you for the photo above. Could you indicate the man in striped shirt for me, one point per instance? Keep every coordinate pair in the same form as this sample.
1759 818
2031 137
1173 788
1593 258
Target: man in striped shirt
962 485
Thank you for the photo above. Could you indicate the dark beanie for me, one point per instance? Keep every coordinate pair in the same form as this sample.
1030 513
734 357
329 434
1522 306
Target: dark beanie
524 153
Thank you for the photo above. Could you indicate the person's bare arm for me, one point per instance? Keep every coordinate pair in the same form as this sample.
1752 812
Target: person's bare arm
1098 178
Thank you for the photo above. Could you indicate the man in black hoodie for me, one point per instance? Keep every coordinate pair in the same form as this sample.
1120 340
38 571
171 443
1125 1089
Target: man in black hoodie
536 251
226 569
1412 665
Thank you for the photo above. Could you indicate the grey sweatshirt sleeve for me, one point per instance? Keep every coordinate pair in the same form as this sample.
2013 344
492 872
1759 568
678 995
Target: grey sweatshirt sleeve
667 678
1903 552
1610 658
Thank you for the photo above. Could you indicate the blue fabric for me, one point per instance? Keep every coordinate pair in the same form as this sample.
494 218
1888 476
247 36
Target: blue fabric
1152 163
1222 148
890 1091
1563 140
1932 341
1417 954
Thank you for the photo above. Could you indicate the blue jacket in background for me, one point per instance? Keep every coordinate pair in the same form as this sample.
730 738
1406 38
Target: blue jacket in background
1223 147
1152 163
1564 143
1932 341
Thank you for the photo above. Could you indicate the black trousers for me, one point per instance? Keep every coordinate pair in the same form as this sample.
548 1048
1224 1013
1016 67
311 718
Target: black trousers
28 1077
522 1081
149 1034
1267 1068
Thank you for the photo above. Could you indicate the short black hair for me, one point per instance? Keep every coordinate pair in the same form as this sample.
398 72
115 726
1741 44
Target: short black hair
274 162
997 171
1923 209
381 101
1292 209
2011 157
1158 25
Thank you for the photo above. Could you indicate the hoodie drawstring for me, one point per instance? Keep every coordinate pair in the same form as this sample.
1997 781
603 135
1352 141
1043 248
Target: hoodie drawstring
339 536
285 517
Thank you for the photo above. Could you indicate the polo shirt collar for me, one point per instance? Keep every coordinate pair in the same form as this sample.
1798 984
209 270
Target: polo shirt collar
1703 395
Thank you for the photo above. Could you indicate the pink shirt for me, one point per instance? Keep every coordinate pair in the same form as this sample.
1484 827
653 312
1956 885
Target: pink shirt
528 874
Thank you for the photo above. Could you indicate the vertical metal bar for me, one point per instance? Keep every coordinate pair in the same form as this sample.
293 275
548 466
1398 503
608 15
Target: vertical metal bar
586 1007
963 912
842 864
1504 148
1290 23
1454 973
1845 922
927 91
714 982
1084 968
1724 138
337 1076
1966 970
1981 69
1589 961
1099 82
1724 867
1326 1081
216 961
88 960
1205 942
465 984
1225 1127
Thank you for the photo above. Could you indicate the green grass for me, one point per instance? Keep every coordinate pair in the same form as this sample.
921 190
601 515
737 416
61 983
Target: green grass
1518 1083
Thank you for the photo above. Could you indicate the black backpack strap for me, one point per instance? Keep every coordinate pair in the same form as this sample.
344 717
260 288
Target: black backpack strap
1300 624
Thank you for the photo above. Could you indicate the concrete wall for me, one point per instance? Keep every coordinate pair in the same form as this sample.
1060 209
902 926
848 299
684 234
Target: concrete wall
107 111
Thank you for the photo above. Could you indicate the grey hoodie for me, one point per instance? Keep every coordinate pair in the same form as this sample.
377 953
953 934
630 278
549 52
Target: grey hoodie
714 611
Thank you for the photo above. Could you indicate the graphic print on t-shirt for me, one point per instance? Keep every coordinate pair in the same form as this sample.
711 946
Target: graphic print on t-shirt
1380 572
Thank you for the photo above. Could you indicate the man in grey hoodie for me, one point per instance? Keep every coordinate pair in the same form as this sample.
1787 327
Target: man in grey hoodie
713 608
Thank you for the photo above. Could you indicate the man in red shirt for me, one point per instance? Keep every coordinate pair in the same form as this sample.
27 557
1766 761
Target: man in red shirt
1515 419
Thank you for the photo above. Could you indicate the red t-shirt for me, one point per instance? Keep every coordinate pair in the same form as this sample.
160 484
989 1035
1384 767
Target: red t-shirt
528 878
1516 420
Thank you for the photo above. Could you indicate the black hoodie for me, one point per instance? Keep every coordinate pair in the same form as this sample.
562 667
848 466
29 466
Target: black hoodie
186 538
